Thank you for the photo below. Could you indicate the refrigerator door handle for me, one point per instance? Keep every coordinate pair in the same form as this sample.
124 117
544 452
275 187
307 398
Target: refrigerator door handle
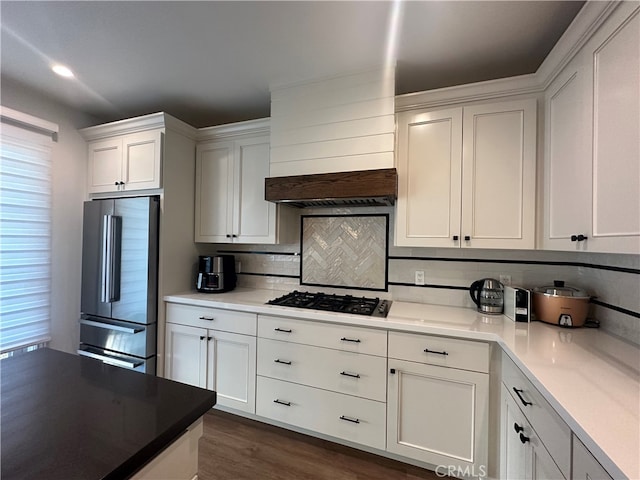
105 270
109 326
115 246
110 361
110 271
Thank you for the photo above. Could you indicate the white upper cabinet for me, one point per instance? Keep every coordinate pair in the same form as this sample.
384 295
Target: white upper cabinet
429 178
466 176
230 204
592 158
230 172
126 162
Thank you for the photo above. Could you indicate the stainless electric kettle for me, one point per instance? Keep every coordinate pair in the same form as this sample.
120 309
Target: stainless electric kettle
488 295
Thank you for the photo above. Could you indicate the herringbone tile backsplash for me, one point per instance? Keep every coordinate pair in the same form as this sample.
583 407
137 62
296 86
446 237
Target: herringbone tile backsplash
344 251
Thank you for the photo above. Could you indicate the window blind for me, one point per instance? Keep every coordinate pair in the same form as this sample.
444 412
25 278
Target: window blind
25 237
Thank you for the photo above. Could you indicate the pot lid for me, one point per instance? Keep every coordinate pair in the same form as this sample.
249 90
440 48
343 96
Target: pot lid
558 289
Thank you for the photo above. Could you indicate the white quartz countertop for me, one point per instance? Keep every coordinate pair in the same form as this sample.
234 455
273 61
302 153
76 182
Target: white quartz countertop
591 378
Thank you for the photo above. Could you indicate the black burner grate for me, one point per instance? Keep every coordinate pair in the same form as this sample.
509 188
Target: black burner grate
334 303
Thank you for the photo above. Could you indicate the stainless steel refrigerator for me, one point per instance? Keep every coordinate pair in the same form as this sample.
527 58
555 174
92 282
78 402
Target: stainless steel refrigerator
119 282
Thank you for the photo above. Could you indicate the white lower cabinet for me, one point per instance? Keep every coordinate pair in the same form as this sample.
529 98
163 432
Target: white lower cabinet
342 416
342 372
535 441
524 455
315 376
584 466
435 414
223 361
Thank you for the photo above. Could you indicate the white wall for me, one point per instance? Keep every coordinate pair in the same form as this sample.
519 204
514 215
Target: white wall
69 191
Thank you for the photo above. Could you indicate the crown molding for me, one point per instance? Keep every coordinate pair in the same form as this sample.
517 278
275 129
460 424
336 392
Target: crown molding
584 25
138 124
471 92
588 20
232 130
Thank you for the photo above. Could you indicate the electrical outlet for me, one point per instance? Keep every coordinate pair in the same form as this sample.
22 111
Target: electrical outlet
419 277
238 266
505 280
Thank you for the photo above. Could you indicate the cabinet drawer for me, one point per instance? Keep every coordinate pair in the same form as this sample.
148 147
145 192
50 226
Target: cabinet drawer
553 432
339 337
212 318
350 418
343 372
443 351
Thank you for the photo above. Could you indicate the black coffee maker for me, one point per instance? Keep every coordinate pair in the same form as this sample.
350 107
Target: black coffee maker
216 273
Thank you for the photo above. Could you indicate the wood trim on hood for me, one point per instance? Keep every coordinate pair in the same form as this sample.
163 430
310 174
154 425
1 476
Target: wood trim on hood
356 188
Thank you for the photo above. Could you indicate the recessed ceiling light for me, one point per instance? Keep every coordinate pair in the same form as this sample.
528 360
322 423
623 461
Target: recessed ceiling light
62 71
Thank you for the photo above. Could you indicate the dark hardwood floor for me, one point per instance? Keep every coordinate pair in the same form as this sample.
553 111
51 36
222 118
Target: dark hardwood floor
241 449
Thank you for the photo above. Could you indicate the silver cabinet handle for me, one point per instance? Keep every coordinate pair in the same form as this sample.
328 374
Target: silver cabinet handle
108 326
110 361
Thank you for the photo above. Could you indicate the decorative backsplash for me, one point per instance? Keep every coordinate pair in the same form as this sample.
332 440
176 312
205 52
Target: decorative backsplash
348 251
613 279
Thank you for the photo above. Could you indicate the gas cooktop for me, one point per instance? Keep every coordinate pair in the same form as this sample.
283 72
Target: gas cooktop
373 307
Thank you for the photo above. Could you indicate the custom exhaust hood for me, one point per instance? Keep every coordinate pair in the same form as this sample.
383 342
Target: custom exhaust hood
356 188
332 141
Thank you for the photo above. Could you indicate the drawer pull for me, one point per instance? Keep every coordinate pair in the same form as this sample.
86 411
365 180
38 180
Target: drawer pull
285 330
354 340
518 428
518 392
352 375
524 438
206 318
202 337
349 419
426 350
284 362
281 402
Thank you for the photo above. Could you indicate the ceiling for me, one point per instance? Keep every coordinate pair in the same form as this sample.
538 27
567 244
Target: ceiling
213 62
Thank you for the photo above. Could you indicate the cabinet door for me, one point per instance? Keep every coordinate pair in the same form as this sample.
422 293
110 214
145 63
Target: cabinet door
214 192
254 219
105 165
514 454
522 454
142 160
567 182
585 466
232 369
186 355
499 175
429 178
438 415
614 55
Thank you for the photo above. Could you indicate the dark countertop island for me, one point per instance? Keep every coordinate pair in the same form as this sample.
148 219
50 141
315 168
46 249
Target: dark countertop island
69 417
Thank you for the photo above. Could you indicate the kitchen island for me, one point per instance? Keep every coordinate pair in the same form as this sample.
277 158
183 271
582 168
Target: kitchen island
69 417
